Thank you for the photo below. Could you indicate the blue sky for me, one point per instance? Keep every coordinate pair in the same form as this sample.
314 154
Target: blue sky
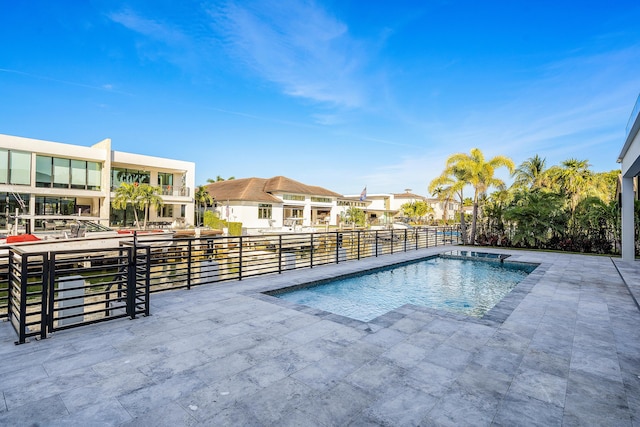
339 94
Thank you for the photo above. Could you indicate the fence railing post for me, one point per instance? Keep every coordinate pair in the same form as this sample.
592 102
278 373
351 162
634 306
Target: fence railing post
358 233
280 254
189 262
311 251
240 258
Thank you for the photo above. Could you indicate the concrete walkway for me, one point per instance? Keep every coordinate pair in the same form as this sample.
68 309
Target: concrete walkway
562 349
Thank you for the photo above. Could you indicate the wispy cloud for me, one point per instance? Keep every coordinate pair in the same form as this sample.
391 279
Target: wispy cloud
297 45
107 87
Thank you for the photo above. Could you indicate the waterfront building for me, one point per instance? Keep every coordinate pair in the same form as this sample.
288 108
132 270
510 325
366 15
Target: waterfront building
263 203
40 179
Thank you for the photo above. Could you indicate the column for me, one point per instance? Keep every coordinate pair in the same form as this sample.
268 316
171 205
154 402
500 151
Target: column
628 235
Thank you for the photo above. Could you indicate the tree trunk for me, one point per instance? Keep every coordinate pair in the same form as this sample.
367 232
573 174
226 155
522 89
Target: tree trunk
463 227
474 223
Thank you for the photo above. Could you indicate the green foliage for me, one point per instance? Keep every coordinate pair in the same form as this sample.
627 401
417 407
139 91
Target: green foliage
140 196
354 216
538 216
417 210
212 221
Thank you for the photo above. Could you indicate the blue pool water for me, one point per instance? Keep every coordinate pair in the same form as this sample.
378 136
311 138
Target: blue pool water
470 287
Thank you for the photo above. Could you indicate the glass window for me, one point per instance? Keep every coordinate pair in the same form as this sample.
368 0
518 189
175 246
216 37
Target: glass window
61 173
120 175
166 211
4 166
78 174
264 211
19 168
43 171
293 197
94 175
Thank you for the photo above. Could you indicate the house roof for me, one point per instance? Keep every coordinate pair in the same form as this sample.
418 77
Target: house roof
408 196
262 189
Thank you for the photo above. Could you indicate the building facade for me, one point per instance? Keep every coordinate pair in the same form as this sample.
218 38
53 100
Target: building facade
40 179
629 159
267 203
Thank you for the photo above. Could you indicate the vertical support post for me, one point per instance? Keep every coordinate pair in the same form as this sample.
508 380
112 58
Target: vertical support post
358 232
189 264
311 251
131 279
22 336
337 246
376 243
240 258
628 232
280 254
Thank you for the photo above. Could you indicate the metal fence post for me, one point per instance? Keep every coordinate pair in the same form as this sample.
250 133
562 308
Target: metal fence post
189 266
280 254
240 259
311 251
358 244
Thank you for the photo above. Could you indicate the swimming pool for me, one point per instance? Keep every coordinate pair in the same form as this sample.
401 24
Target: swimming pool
467 286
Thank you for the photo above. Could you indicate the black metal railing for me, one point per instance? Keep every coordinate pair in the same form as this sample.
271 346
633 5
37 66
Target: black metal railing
42 292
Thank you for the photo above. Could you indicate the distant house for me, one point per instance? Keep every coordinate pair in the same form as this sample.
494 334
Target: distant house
261 203
385 208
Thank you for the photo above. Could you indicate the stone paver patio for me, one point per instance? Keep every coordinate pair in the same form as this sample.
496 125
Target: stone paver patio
562 349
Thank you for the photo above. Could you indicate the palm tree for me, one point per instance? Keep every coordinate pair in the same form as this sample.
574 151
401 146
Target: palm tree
444 198
530 173
575 180
480 175
127 194
202 198
147 197
219 178
451 183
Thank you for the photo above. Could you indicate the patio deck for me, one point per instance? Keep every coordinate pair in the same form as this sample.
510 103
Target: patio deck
562 349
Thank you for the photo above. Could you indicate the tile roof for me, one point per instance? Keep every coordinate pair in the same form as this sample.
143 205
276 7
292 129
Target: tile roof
262 189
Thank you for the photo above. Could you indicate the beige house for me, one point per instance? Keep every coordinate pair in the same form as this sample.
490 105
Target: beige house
42 179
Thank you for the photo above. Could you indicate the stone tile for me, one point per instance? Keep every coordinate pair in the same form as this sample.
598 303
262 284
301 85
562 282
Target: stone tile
376 375
325 373
405 355
141 401
400 406
544 387
47 387
517 409
338 406
35 412
103 412
169 414
268 404
458 407
449 357
432 379
81 398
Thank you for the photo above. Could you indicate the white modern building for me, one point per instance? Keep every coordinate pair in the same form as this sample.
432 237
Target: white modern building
385 208
39 179
629 160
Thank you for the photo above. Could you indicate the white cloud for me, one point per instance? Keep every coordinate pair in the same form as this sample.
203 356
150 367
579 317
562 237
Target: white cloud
296 45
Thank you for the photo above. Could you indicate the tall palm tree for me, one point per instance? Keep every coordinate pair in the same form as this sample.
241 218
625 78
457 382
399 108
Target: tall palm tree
127 194
479 173
451 183
530 173
574 179
147 197
202 198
